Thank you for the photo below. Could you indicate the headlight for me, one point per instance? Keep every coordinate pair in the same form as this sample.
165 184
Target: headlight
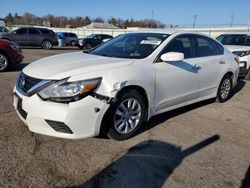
242 53
64 91
80 42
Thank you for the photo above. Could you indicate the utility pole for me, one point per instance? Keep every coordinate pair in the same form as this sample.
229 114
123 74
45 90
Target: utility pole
194 20
248 25
152 18
232 19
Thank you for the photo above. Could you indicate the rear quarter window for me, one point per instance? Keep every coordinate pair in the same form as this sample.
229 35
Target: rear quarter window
47 31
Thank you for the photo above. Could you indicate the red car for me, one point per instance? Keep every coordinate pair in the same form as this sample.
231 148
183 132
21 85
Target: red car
10 53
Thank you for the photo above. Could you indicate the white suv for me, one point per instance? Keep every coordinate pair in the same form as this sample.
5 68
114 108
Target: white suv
239 44
122 83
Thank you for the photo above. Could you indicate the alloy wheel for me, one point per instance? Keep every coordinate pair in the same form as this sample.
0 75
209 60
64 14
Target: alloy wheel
127 116
225 88
3 62
46 44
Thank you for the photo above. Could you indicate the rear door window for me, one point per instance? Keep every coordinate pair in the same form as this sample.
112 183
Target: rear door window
33 31
207 47
21 31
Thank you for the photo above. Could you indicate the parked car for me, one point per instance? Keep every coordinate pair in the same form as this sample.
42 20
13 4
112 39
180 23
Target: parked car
117 86
3 29
92 41
69 38
32 36
10 54
239 44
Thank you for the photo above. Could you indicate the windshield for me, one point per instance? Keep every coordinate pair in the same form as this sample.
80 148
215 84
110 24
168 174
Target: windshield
132 45
234 39
90 36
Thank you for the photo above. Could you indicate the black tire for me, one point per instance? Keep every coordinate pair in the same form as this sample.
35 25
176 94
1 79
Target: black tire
225 88
87 46
4 62
109 127
72 43
46 44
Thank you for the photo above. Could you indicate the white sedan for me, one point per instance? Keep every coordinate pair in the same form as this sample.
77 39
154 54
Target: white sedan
117 86
239 44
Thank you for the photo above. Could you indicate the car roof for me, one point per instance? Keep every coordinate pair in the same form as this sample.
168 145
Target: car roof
237 33
33 28
169 32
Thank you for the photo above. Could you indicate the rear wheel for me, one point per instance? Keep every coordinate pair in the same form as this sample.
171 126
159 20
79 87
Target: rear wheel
225 88
73 43
125 116
4 62
46 44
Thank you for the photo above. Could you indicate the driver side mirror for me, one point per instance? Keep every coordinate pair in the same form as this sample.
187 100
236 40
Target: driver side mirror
172 56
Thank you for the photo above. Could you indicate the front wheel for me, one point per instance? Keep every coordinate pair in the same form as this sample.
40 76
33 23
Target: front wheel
225 88
46 44
126 116
4 62
87 46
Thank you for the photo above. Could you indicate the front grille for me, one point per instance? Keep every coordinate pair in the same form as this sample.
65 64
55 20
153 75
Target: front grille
29 83
26 82
59 126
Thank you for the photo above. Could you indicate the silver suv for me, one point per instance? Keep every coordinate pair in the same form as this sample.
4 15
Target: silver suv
32 36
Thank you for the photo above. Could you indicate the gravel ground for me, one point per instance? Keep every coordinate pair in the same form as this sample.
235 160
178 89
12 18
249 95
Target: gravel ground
202 145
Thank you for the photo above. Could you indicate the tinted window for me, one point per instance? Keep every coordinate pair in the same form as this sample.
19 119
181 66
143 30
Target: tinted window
182 44
72 34
21 31
33 31
248 41
45 31
233 39
207 47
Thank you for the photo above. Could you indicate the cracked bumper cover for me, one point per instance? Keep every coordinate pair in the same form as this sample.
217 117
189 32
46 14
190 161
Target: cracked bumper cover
81 117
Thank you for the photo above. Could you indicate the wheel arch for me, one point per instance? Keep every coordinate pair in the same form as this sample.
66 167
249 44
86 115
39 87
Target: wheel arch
104 127
139 89
6 54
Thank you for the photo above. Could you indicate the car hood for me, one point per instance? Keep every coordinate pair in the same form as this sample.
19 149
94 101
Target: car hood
233 48
69 64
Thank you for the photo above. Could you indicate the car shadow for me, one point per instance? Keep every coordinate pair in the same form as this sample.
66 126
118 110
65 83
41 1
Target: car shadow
240 85
148 164
246 181
158 119
184 65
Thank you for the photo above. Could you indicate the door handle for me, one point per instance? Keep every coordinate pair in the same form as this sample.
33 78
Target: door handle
196 67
